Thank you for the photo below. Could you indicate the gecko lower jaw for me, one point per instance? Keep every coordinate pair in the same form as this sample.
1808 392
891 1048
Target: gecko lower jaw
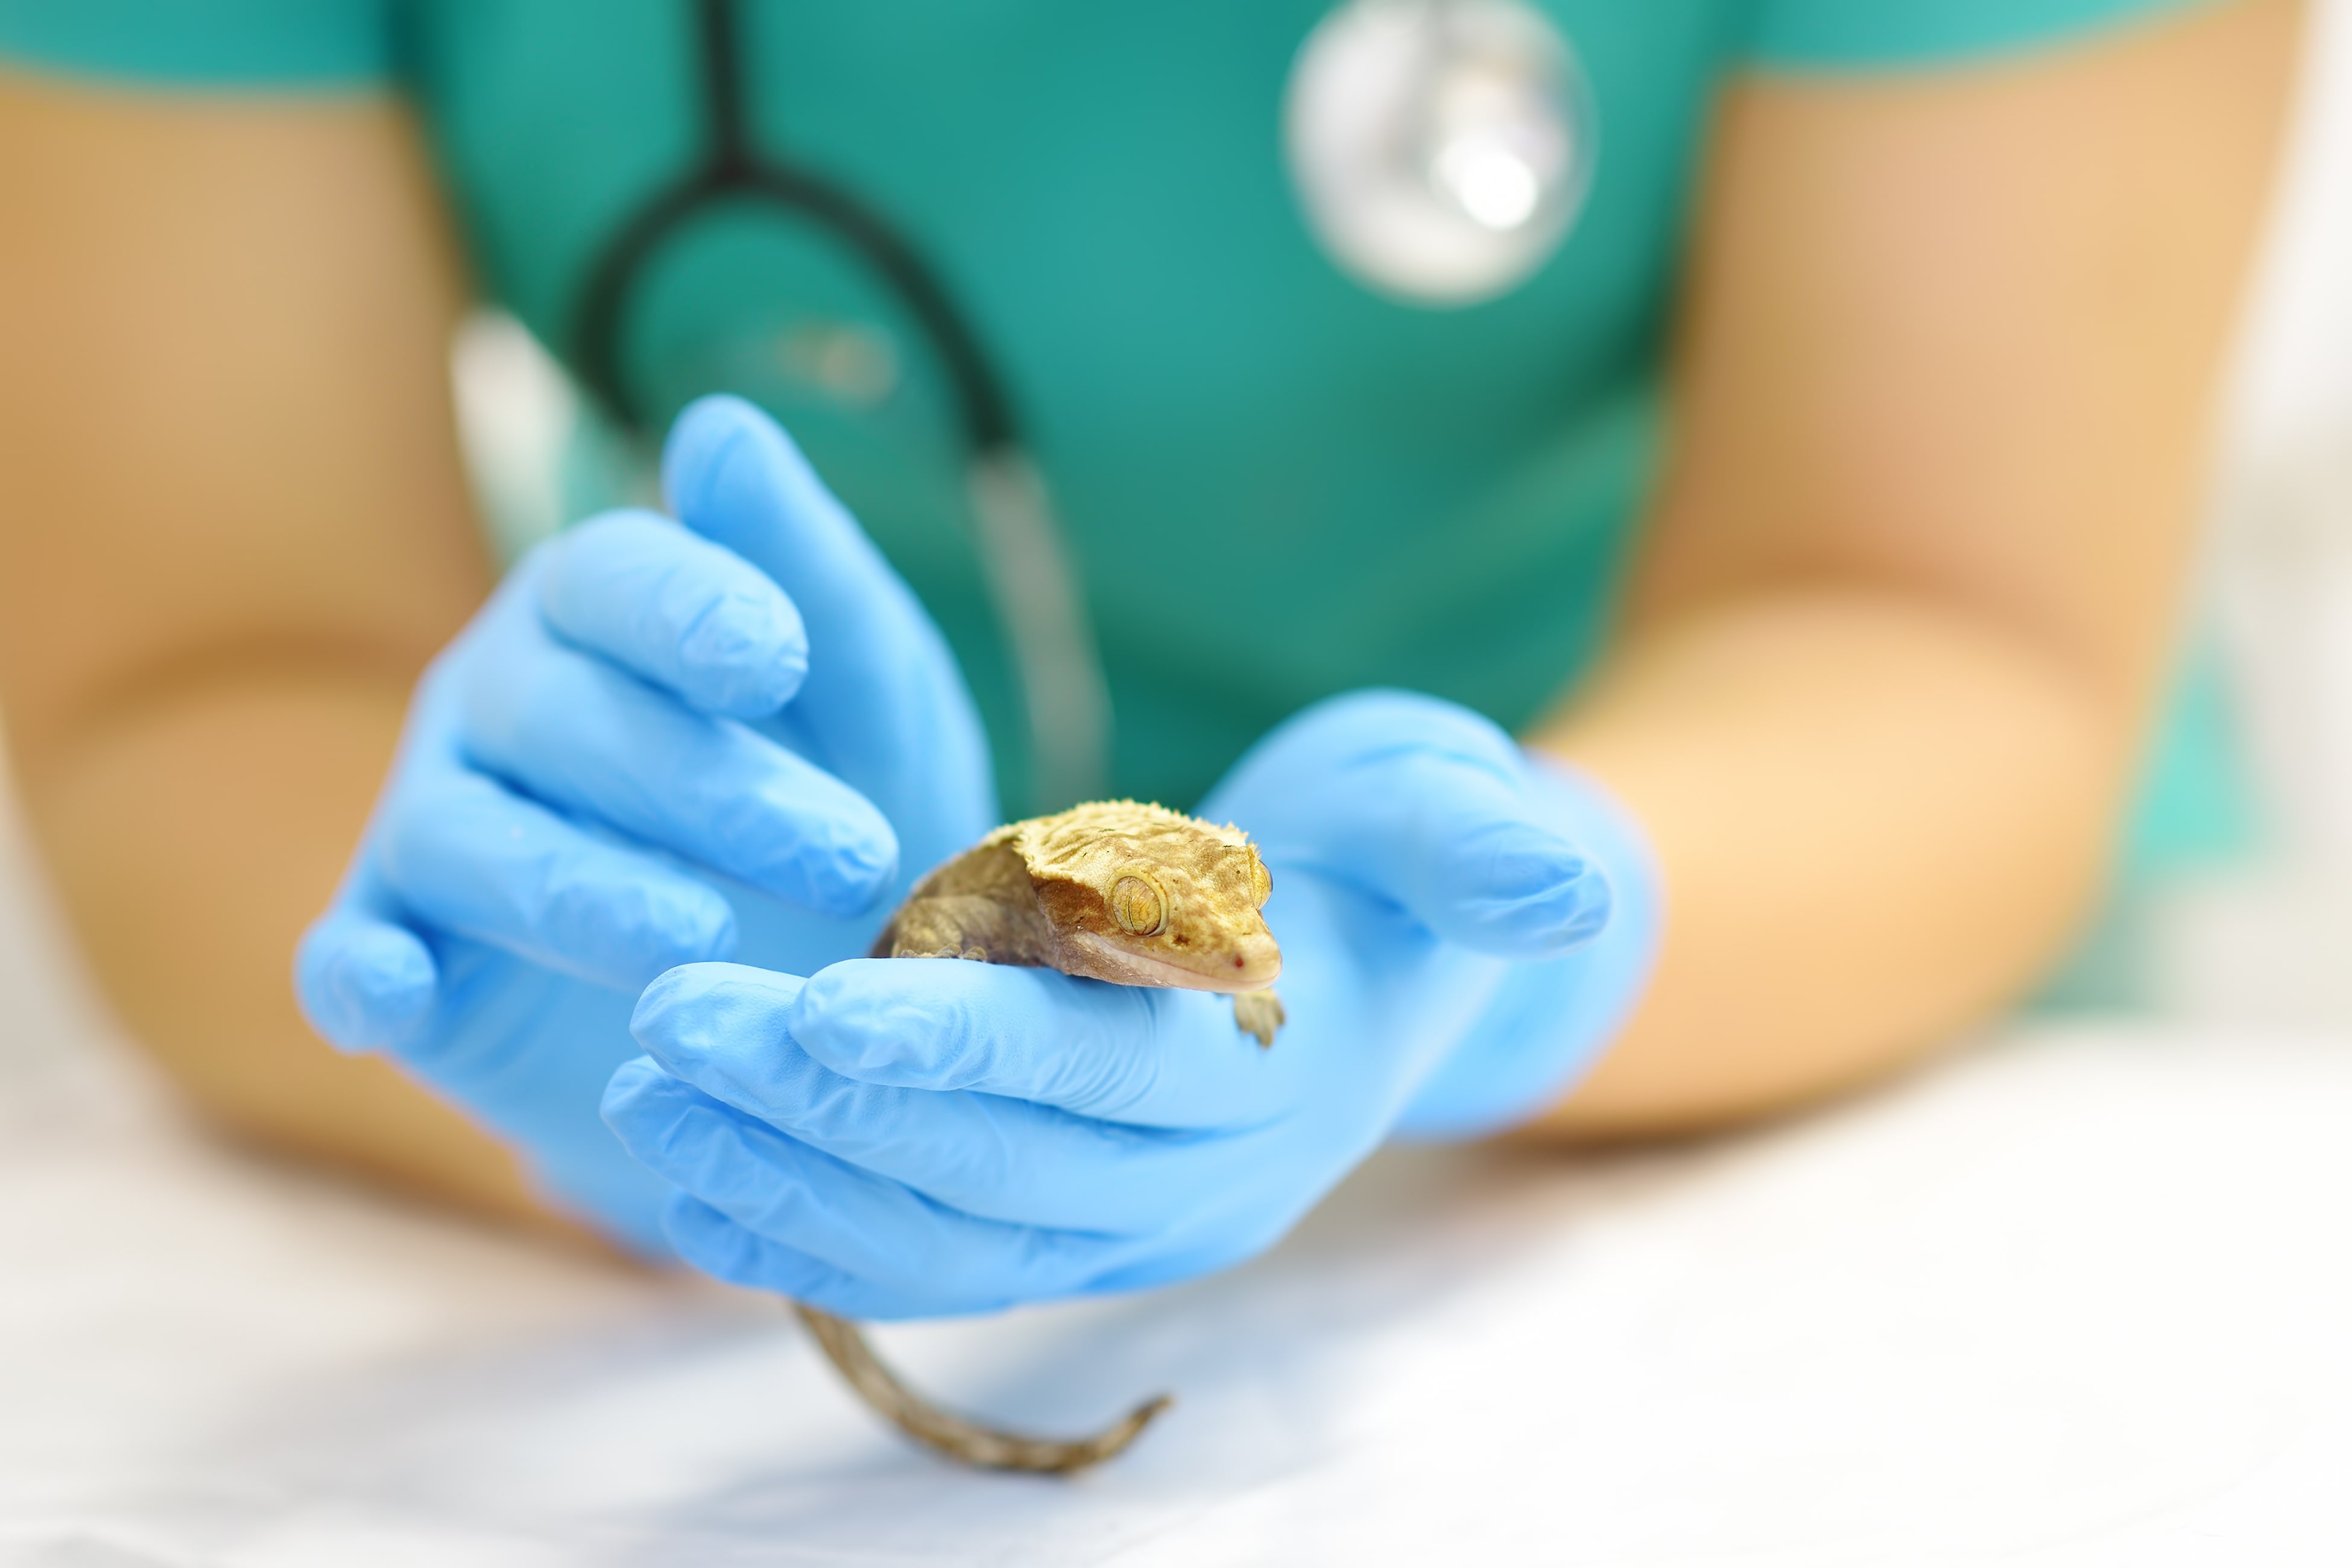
1260 967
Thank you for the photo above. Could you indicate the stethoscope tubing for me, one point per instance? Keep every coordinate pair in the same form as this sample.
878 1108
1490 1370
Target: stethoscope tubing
733 169
1031 577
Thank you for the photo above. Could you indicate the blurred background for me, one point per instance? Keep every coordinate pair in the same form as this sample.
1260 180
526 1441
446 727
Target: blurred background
2259 932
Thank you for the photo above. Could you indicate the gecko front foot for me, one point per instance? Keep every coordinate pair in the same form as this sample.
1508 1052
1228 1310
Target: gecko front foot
1259 1013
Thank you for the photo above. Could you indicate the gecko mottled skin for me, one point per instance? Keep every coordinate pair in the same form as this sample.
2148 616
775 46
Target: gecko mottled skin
1135 895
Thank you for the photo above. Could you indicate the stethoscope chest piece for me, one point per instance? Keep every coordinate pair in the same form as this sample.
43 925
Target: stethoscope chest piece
1441 148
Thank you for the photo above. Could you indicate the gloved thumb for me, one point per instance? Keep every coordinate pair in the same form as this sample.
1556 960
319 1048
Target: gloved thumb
1462 852
363 984
1431 807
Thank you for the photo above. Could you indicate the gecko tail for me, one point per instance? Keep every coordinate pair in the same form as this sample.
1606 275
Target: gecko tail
966 1442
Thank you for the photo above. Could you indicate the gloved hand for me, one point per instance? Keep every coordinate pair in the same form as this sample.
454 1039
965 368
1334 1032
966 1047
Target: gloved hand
654 744
1463 927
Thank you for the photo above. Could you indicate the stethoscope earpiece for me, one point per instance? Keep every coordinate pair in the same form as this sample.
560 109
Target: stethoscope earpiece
1441 148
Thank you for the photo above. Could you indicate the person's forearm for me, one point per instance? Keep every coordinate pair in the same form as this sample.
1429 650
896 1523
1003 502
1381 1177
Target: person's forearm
1943 373
233 527
1875 821
190 837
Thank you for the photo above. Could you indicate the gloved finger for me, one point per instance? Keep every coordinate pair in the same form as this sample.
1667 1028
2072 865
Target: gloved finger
363 982
725 1250
1458 847
724 1029
467 856
676 609
882 696
861 1223
572 730
1427 805
1143 1057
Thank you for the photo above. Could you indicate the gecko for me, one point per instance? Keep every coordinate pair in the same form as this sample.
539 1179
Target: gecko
1112 891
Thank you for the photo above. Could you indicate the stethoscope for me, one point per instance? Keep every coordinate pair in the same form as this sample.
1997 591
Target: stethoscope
1441 151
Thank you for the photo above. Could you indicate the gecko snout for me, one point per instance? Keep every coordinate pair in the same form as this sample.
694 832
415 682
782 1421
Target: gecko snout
1256 962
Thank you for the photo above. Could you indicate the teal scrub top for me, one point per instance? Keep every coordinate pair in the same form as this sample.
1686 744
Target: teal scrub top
1278 483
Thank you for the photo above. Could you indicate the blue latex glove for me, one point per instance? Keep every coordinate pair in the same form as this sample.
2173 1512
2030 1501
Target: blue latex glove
655 744
1463 928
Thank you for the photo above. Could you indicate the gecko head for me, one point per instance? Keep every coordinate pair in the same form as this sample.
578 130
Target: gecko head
1142 896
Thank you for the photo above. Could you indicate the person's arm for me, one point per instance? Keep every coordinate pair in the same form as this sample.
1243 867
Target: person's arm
1948 351
233 528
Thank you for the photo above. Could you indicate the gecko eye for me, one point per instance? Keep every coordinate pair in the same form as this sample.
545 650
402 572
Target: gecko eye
1138 907
1261 881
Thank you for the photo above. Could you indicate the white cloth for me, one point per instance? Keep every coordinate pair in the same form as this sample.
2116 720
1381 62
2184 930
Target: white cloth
2079 1298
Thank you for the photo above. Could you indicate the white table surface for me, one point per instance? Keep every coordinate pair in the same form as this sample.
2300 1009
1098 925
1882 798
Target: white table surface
2075 1297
